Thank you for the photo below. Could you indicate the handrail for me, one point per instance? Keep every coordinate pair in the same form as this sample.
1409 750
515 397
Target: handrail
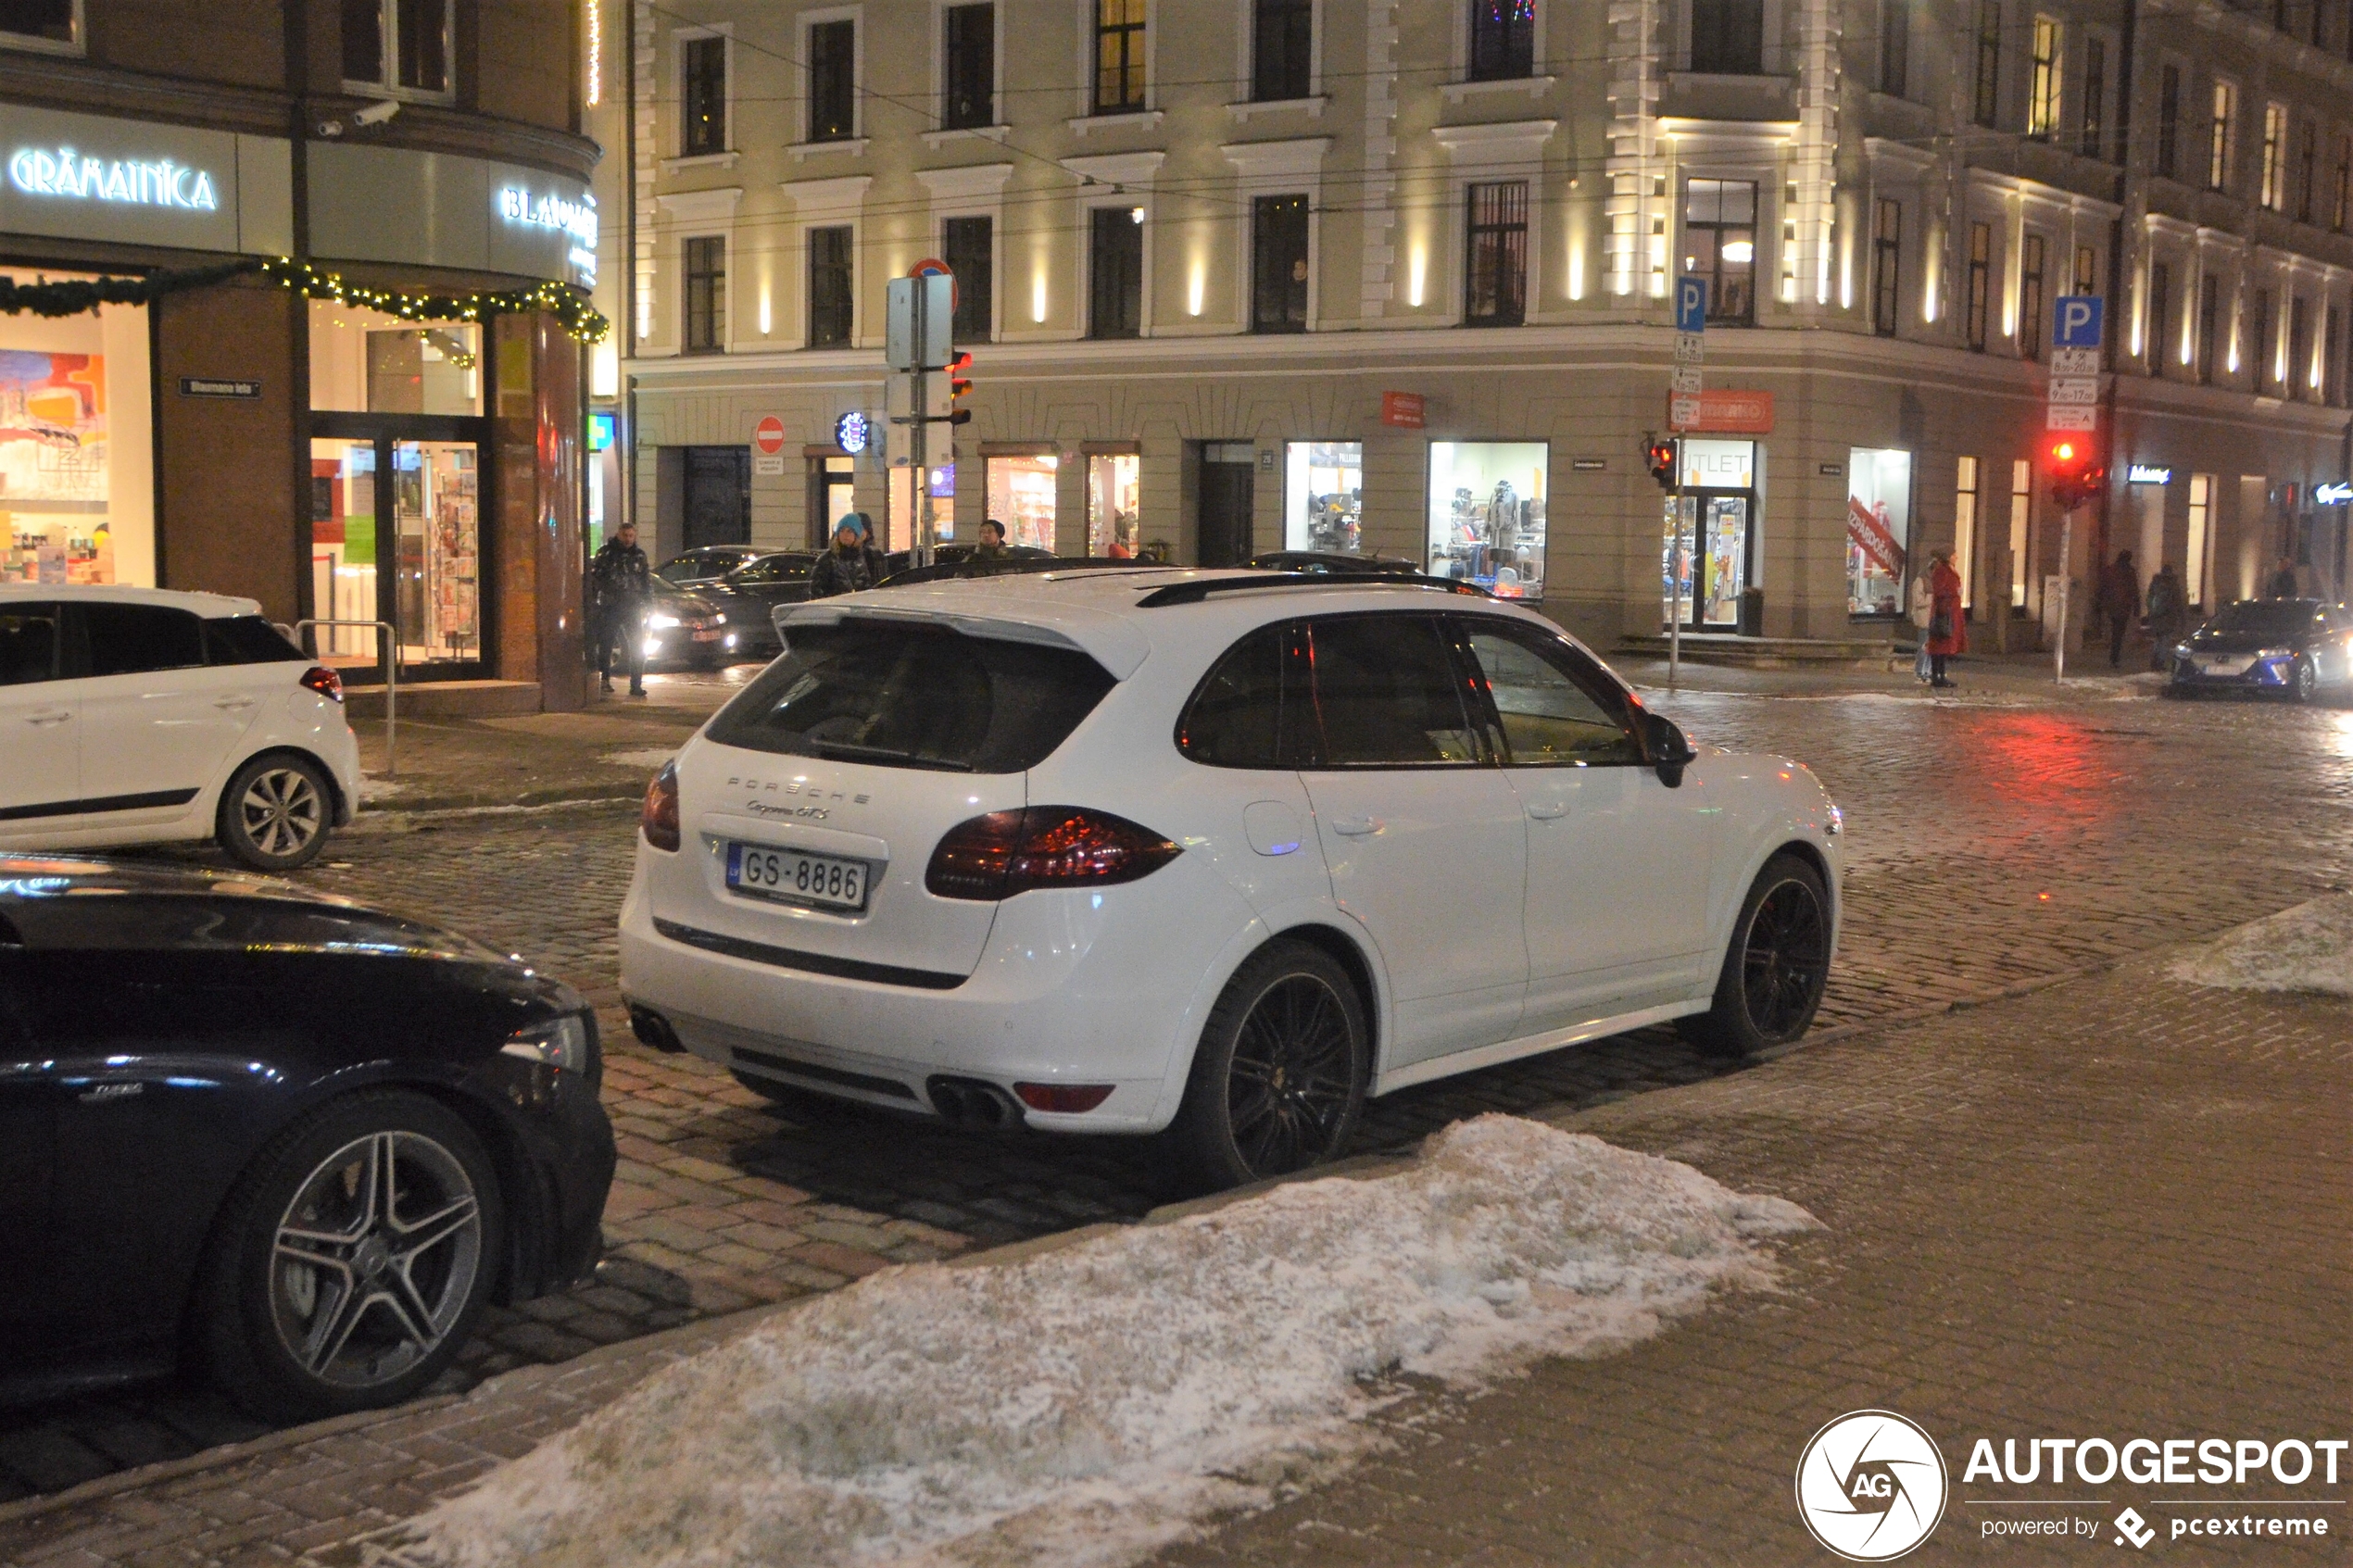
389 651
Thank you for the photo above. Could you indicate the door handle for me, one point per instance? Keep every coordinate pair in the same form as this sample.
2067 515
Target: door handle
58 718
1546 810
1355 827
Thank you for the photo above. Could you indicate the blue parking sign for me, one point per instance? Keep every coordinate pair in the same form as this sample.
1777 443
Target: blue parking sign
1690 304
2075 321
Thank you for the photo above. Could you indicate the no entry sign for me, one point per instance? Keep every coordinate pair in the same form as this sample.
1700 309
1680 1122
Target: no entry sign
769 435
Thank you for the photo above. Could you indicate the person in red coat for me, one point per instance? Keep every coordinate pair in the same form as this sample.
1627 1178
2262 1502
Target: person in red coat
1947 632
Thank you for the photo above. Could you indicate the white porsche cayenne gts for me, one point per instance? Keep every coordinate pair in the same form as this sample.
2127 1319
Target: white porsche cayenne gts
1213 855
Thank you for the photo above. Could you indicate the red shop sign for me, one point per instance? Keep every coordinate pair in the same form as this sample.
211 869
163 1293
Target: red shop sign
1729 412
1402 409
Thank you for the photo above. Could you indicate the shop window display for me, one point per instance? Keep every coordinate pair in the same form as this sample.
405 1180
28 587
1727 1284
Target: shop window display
1021 496
1879 530
76 492
1487 514
1324 497
1115 487
365 362
1706 533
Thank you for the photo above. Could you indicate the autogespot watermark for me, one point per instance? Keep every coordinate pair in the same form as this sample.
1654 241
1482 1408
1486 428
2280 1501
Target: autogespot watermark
1872 1484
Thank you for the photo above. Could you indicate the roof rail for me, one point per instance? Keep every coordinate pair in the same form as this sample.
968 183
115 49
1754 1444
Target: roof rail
1195 591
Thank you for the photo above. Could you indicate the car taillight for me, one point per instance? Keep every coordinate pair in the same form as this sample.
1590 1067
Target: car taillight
660 818
1067 1099
1009 852
323 681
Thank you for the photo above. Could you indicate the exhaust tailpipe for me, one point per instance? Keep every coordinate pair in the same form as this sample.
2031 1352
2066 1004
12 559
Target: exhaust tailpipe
654 1030
973 1102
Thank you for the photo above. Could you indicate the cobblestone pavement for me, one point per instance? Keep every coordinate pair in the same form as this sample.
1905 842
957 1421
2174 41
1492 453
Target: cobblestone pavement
1993 843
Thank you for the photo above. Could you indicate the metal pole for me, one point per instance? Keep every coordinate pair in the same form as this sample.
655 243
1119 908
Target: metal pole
1674 568
390 649
2066 576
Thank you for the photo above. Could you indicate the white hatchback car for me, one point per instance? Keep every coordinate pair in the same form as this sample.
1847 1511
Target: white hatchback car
145 716
1220 854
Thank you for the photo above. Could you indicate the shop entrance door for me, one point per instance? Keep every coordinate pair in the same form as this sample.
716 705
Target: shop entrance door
718 496
396 508
1711 527
1225 497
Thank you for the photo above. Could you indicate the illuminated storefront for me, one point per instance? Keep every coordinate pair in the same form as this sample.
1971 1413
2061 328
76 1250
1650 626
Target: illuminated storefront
1487 514
1114 490
1021 493
1324 497
1878 531
77 447
1709 533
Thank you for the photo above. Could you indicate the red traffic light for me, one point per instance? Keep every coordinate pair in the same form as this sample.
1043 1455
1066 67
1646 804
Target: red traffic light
958 387
1660 457
2075 473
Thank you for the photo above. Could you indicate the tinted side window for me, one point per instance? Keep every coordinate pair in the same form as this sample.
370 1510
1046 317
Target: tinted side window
1385 692
130 639
1555 711
28 644
248 639
1253 709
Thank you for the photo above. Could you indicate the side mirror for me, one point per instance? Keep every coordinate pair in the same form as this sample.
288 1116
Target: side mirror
1670 749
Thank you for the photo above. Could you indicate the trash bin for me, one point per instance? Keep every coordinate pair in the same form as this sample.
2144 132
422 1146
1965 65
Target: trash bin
1752 612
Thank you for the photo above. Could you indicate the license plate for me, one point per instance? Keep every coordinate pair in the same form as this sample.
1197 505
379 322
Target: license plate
2224 666
706 636
793 876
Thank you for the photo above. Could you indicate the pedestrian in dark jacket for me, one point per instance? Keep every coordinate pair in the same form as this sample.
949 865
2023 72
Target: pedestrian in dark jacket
2169 606
2120 601
848 567
2281 584
992 541
622 583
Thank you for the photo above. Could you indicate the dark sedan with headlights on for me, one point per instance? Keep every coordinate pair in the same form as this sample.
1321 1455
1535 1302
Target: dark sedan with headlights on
2298 648
688 629
290 1144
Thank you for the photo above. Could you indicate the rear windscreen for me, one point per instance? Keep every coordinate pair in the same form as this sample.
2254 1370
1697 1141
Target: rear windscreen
248 639
915 697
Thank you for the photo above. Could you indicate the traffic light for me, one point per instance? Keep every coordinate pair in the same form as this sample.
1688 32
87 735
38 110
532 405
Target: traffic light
960 387
1660 455
2075 472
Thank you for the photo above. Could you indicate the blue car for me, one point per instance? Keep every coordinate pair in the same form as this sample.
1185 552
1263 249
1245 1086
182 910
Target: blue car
2298 648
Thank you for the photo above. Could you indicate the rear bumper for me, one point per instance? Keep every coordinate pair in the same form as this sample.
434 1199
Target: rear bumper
1071 988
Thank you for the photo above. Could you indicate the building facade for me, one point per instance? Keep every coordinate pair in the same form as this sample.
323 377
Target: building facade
334 368
1354 274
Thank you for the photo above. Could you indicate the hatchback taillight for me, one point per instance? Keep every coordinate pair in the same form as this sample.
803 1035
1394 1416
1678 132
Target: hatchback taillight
659 817
323 681
1009 852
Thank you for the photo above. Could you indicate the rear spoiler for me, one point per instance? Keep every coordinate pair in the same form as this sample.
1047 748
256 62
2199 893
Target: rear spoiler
1118 648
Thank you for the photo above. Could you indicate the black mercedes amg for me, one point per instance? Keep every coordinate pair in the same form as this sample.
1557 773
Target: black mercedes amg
289 1143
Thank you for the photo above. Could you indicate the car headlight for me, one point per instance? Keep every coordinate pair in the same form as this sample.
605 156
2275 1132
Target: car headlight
2275 653
555 1042
662 622
719 620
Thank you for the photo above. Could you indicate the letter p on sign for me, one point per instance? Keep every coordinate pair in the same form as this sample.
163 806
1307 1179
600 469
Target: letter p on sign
2076 320
1690 304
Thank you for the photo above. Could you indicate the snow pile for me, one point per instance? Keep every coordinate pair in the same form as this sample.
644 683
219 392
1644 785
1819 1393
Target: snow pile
2309 947
1089 1404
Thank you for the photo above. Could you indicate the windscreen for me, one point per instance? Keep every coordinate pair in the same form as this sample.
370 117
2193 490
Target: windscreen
2267 615
901 695
248 639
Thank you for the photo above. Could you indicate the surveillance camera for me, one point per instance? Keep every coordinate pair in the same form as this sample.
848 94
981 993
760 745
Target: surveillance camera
376 114
330 128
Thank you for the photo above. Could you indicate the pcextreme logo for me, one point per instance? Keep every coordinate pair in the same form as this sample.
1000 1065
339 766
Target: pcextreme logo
1870 1486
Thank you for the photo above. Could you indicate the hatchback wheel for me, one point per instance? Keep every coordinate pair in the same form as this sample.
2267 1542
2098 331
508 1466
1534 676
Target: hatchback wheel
275 813
1776 966
353 1258
1280 1075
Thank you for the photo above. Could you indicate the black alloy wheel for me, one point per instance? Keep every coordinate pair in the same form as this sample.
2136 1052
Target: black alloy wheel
1776 968
1279 1078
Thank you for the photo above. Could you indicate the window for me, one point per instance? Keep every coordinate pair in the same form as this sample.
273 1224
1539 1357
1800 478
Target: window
1894 48
1119 57
2087 271
1495 280
2342 195
971 51
833 81
968 245
2042 86
1887 245
2201 537
2160 313
2218 136
1965 529
1727 37
2307 157
2259 341
132 639
702 96
40 23
2209 315
1278 264
1116 272
1487 514
2333 363
248 639
390 44
1386 695
1282 50
1256 708
1988 106
2272 188
706 295
28 643
2021 518
1324 497
2303 376
1878 529
1115 504
2029 297
1719 245
1503 39
831 282
2092 138
1555 711
1980 282
1020 489
2169 122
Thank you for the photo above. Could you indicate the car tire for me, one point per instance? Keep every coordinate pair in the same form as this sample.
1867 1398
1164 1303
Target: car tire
319 1300
275 813
2306 687
1279 1078
1775 968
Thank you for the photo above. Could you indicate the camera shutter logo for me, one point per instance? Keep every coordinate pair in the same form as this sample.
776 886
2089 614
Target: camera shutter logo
1871 1485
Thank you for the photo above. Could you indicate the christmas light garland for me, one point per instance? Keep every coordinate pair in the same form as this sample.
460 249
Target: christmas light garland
571 309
